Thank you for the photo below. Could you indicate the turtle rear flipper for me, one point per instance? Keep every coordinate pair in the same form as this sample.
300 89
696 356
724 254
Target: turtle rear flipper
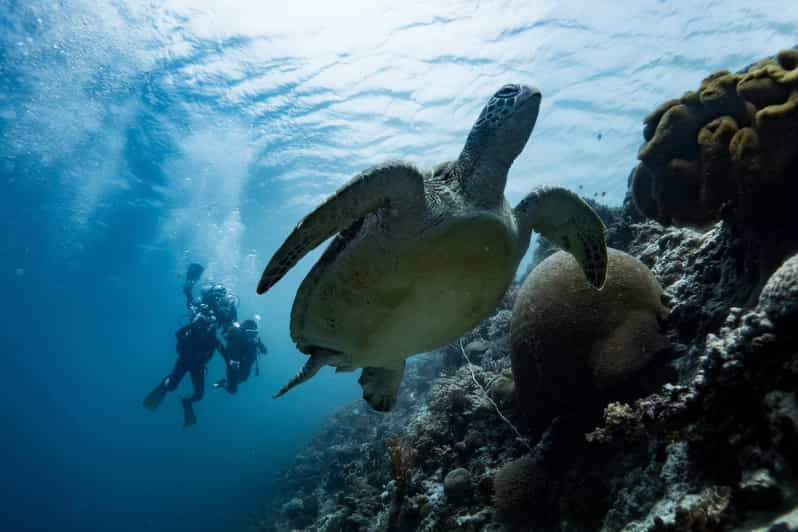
381 386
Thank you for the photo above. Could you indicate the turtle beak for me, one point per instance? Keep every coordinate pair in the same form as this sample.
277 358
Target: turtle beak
528 94
527 105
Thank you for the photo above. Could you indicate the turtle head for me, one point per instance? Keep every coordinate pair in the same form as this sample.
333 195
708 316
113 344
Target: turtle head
504 125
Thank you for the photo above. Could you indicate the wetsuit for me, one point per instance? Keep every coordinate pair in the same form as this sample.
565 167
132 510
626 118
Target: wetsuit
196 343
239 356
224 308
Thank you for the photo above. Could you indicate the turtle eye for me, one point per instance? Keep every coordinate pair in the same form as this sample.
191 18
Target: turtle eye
508 91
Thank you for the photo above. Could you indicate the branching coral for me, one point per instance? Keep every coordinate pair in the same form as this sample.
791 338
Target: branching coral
402 457
726 151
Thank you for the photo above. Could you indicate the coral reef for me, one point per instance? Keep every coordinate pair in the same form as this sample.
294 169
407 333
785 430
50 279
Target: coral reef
713 448
706 439
566 336
725 151
729 151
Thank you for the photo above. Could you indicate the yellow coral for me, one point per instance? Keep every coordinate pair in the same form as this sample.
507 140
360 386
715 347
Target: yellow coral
744 147
653 119
713 142
718 95
674 137
778 124
788 59
727 144
761 86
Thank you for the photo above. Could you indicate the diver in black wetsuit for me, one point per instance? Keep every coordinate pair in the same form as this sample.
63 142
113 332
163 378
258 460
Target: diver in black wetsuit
241 352
221 302
196 343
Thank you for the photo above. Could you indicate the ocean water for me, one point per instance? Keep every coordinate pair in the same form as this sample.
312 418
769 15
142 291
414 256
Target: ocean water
136 137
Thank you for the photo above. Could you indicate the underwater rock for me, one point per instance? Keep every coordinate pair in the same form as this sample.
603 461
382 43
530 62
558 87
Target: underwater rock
457 484
759 489
782 415
727 411
619 418
567 337
476 347
473 440
667 496
293 507
502 389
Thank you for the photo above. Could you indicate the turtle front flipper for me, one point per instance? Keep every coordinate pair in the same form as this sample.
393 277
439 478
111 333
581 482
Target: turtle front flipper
567 220
381 386
393 185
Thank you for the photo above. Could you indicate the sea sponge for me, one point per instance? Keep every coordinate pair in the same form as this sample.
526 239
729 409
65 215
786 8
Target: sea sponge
571 345
727 151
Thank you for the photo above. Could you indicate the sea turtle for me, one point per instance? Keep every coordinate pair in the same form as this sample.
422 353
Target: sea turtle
420 258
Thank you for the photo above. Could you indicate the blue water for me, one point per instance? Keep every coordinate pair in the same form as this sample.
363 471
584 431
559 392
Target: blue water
137 137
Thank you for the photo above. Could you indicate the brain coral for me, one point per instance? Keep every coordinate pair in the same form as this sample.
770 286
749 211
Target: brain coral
779 298
728 151
572 344
517 487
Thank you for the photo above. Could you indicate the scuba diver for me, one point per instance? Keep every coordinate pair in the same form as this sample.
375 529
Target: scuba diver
196 342
218 299
241 352
221 302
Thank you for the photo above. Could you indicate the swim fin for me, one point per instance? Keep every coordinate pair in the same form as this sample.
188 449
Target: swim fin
194 272
155 398
189 418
